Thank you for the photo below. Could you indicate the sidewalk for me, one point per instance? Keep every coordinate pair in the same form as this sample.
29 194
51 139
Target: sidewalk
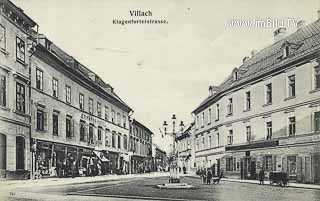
13 184
267 183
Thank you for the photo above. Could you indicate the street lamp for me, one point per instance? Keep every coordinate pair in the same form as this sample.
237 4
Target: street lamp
174 172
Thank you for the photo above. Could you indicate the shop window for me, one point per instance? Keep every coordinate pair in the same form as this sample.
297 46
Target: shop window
230 164
2 37
20 98
20 50
292 165
292 126
268 162
39 79
3 91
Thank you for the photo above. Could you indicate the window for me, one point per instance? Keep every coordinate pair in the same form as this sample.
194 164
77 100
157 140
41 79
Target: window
235 75
69 127
218 140
81 101
125 142
248 133
90 105
3 91
99 134
55 87
210 142
124 121
68 94
248 101
113 139
107 138
39 79
82 131
20 49
198 121
292 86
269 93
106 113
2 37
202 120
118 118
209 116
230 163
113 116
230 137
317 121
99 109
119 140
91 127
55 123
292 126
20 98
317 77
269 130
202 145
217 112
41 120
268 162
292 165
230 106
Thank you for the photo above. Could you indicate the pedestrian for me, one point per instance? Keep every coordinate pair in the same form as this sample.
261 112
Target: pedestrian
204 176
209 176
261 177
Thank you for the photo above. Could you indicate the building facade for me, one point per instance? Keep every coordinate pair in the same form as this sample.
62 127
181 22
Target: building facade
184 147
75 115
159 158
16 40
266 114
141 147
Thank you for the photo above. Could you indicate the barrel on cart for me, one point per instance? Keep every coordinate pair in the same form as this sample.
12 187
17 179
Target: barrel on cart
279 178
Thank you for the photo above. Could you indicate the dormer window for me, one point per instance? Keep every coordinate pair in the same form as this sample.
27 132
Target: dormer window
286 51
235 74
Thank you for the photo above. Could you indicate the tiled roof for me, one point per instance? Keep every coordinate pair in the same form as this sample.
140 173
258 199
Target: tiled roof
305 41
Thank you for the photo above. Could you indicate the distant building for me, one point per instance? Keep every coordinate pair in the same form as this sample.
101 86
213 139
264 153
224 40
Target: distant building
159 158
16 45
266 114
141 147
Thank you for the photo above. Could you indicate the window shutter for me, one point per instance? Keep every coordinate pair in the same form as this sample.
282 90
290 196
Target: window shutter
45 121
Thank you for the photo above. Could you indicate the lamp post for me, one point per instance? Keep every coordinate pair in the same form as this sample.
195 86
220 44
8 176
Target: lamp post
174 169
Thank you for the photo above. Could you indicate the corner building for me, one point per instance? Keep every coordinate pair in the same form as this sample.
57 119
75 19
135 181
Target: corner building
266 114
16 39
75 114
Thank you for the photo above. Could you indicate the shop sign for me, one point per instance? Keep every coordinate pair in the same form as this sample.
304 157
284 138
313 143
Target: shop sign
92 119
254 145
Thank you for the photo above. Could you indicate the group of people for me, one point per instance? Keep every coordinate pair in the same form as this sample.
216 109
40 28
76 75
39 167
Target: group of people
207 175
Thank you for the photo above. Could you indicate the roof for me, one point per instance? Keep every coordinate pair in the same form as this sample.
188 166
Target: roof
305 42
186 133
82 71
19 11
158 147
135 122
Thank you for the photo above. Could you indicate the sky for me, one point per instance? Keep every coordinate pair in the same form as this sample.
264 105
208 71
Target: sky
163 69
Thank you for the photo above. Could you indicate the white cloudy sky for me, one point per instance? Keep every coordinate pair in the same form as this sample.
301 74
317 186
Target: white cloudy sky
162 69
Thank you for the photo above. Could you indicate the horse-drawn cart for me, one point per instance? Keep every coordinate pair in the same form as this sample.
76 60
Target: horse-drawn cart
279 178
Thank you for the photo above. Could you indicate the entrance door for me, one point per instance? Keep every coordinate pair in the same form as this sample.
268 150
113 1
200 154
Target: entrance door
241 169
218 166
20 155
316 162
253 169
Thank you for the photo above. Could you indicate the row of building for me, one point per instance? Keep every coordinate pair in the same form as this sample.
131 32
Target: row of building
264 115
57 115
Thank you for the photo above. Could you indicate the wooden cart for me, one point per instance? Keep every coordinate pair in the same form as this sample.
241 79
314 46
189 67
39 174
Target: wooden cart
279 178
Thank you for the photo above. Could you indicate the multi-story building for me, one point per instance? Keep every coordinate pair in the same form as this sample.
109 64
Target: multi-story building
184 147
141 147
16 39
266 114
159 158
75 114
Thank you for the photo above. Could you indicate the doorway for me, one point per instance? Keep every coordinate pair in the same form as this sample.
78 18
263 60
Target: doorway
20 153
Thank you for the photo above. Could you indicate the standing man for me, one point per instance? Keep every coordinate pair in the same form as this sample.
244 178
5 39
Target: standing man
261 177
209 176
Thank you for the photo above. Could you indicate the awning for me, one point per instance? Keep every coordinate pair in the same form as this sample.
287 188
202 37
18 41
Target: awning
101 156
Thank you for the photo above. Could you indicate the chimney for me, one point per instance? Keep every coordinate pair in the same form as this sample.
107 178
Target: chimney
253 52
279 34
300 24
245 59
